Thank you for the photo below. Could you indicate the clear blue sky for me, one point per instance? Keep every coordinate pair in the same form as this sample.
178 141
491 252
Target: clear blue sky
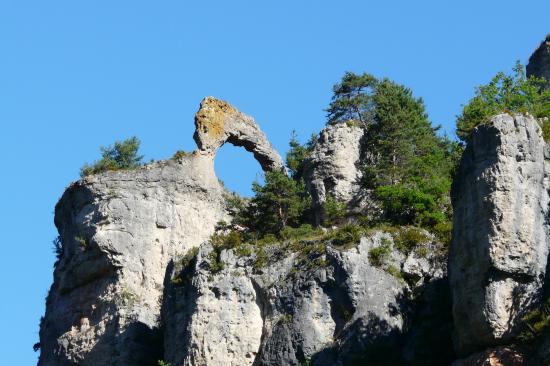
75 75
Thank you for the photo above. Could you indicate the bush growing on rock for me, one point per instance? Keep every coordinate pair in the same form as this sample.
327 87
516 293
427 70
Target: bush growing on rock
279 203
407 166
510 93
123 155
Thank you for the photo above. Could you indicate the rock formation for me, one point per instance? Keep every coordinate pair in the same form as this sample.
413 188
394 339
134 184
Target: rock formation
539 62
138 279
500 239
337 311
333 167
120 230
217 122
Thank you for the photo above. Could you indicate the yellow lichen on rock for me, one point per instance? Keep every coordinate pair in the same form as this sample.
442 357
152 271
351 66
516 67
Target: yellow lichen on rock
210 119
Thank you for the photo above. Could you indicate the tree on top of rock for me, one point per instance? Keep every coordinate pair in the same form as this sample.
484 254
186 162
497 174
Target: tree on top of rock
506 93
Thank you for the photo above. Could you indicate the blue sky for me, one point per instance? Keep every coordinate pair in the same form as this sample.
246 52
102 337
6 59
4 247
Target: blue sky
75 75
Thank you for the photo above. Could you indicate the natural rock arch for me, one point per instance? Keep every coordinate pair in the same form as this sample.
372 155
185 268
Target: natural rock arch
218 122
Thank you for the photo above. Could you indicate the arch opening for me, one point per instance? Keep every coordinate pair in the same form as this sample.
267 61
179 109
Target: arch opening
237 169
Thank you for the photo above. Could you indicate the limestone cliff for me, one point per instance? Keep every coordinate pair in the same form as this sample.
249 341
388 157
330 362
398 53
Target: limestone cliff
500 244
120 230
333 168
329 308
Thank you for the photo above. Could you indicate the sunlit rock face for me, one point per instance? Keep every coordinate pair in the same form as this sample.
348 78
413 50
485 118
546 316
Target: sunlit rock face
334 168
121 229
500 240
343 311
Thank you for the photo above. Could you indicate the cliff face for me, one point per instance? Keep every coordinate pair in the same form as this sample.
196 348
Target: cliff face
139 280
500 241
336 310
333 169
120 230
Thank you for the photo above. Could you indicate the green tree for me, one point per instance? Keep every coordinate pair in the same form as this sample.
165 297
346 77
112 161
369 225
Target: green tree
407 165
297 154
123 155
352 99
279 203
510 93
410 166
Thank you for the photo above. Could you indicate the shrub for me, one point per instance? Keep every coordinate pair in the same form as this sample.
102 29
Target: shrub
347 234
302 232
410 238
506 93
535 323
334 211
122 156
180 154
279 203
379 255
182 264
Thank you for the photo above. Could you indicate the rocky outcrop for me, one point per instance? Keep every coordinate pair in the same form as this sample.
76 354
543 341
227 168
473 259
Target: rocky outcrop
333 167
120 230
500 242
217 122
331 309
539 62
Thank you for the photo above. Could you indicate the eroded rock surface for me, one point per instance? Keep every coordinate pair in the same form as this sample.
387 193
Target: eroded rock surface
333 167
217 122
287 312
500 240
120 230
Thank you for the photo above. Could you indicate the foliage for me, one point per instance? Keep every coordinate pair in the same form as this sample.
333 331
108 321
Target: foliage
279 203
535 323
334 211
379 255
182 263
301 232
352 99
163 363
122 156
409 238
82 241
347 234
510 93
297 154
411 166
180 154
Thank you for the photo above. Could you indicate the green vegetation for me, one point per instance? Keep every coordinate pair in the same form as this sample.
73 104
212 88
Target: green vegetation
379 255
409 238
182 263
122 156
536 323
334 211
352 99
408 170
409 167
279 203
82 241
180 154
297 154
506 93
163 363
